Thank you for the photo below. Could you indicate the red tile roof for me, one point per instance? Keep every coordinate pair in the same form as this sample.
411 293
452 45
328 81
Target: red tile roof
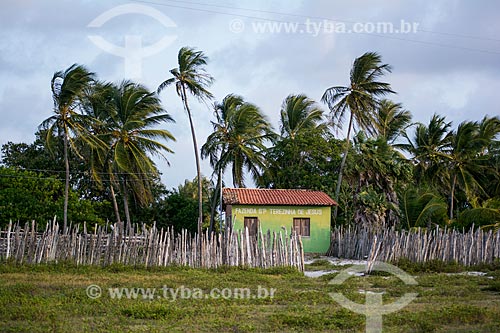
253 196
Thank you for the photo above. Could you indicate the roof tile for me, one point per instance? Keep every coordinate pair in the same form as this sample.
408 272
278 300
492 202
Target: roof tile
247 196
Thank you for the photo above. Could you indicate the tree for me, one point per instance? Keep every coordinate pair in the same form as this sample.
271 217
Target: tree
300 114
486 216
26 196
360 98
36 157
427 149
238 141
391 120
374 174
309 161
181 205
67 90
132 137
421 206
191 77
101 105
466 159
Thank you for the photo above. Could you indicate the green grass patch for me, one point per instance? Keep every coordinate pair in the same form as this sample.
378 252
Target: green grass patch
52 298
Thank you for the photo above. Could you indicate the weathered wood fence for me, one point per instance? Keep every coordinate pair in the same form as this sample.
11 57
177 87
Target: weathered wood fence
149 246
420 245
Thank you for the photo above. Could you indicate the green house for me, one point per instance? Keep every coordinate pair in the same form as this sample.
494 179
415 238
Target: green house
305 211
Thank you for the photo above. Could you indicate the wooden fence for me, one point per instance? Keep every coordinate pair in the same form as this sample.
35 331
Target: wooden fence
420 245
149 246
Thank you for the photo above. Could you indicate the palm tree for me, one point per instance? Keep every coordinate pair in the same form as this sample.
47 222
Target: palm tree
467 162
68 89
360 98
191 77
237 141
300 114
391 120
420 206
427 148
132 136
454 160
238 138
100 106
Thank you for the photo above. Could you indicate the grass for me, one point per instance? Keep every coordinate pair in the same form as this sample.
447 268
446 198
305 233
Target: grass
52 298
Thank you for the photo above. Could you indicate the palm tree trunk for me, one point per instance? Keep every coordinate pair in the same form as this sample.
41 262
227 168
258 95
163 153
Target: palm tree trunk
197 158
452 199
115 203
342 165
215 196
66 185
125 202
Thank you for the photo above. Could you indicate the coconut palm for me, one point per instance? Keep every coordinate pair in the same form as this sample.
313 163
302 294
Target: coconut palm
427 147
467 162
238 139
132 137
300 114
359 98
237 142
68 89
100 106
391 120
421 206
191 77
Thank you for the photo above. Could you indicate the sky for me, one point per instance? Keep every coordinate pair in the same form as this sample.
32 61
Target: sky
447 62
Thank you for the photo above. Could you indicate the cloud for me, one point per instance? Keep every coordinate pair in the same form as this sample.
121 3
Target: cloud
39 37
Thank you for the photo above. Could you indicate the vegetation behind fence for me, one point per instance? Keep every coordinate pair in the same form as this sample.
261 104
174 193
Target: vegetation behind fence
148 246
418 245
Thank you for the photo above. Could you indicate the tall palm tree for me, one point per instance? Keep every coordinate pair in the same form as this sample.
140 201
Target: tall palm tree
240 133
100 106
191 77
300 114
237 141
132 137
68 89
467 162
359 98
427 148
391 120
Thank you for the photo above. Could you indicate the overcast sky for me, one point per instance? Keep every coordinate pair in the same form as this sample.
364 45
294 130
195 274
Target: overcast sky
450 65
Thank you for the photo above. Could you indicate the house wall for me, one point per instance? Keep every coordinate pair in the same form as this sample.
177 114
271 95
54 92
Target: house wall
274 217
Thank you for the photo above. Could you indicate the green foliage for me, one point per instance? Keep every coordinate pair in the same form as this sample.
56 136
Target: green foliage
421 207
132 136
238 140
178 208
300 114
37 157
191 77
375 171
308 161
27 196
109 134
391 120
486 216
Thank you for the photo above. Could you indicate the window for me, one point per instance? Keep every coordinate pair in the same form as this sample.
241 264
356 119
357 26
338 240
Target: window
252 223
302 226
